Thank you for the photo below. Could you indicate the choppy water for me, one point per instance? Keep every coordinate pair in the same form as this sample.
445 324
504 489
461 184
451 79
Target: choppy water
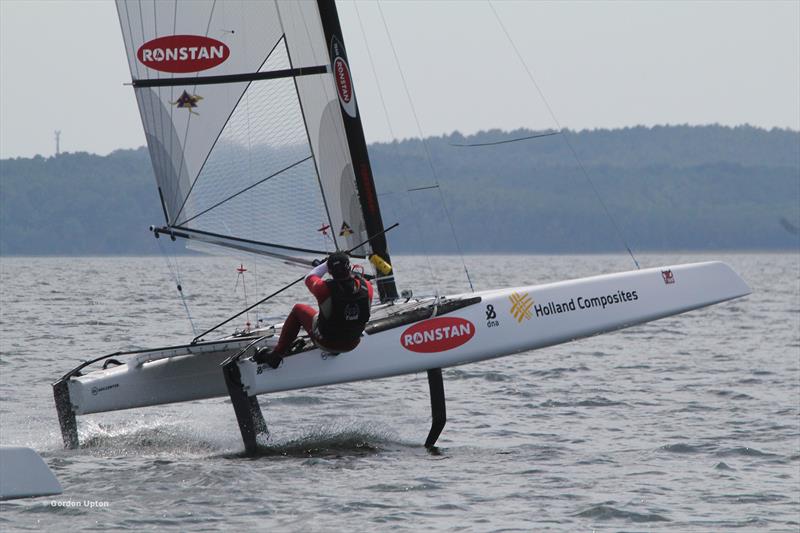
687 424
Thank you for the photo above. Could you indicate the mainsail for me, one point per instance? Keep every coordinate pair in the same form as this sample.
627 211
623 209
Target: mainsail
253 127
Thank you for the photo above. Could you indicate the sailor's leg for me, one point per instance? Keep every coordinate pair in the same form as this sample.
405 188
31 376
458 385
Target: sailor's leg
438 410
259 423
301 315
66 416
241 406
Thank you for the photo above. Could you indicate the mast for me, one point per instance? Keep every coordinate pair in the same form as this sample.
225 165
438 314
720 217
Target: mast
368 197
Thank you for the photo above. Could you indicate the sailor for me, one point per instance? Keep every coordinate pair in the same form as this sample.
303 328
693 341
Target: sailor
344 306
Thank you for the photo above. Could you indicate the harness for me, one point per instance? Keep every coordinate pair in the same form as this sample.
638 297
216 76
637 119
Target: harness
348 312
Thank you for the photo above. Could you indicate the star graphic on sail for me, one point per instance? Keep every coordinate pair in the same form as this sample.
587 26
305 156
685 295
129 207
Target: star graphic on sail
345 230
188 101
324 229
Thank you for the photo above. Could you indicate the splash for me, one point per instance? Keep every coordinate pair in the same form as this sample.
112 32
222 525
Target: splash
151 437
336 440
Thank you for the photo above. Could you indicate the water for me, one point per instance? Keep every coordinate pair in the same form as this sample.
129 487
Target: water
686 424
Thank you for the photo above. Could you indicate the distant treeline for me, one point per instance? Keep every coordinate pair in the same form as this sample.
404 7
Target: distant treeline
667 188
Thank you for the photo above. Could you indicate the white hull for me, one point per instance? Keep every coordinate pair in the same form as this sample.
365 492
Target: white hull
484 330
24 474
192 374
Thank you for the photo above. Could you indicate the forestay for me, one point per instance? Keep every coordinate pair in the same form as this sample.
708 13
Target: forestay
245 124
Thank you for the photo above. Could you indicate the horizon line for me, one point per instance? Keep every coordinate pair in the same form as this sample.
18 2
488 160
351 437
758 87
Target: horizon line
457 133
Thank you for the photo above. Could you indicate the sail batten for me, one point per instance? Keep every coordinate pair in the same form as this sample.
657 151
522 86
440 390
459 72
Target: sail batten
233 78
246 241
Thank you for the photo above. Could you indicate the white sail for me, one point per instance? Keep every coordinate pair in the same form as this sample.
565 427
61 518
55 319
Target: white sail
243 123
321 105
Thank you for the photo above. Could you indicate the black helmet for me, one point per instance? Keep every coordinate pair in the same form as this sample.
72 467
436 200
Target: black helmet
339 265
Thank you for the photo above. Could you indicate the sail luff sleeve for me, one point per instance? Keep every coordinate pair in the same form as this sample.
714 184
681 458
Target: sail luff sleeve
354 130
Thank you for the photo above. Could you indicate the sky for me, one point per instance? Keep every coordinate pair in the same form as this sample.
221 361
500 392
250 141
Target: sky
598 64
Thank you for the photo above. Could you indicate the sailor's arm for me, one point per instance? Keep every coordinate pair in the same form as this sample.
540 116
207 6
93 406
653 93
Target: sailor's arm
315 283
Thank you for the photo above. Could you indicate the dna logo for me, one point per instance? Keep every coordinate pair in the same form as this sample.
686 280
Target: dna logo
521 305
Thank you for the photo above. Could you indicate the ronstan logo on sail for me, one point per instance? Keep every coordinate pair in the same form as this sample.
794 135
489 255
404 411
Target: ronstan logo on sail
341 77
437 335
183 53
343 81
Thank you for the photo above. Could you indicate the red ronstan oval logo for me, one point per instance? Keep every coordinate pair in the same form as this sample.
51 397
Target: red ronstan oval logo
343 83
183 53
437 335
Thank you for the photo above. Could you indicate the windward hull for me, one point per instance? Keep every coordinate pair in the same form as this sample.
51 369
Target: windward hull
501 322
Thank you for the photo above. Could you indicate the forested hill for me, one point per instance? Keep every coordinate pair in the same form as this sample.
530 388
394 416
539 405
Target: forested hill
668 188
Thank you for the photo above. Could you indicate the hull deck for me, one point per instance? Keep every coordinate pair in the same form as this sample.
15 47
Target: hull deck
414 336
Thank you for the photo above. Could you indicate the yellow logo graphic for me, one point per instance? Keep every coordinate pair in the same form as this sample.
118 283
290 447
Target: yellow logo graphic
521 306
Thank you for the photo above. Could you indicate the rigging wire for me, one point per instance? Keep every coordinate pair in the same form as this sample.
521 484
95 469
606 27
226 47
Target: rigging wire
186 136
425 145
145 103
420 234
506 141
255 275
241 270
565 136
330 93
302 111
254 264
171 98
176 276
164 155
285 287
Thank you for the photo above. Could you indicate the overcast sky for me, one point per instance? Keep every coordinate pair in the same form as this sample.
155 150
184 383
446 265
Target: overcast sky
599 64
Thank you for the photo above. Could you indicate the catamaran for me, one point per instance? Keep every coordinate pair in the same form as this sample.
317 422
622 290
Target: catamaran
255 135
